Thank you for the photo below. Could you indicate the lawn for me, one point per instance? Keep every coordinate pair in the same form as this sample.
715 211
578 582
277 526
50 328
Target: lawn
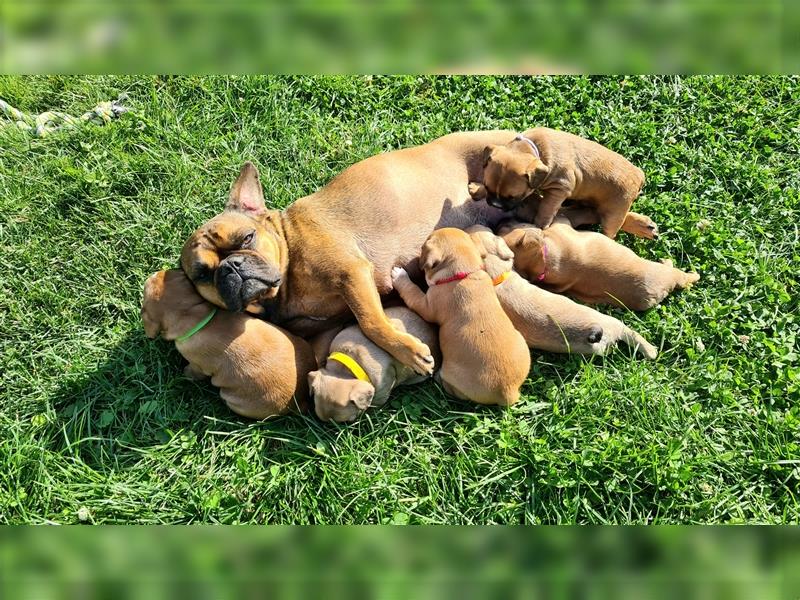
97 423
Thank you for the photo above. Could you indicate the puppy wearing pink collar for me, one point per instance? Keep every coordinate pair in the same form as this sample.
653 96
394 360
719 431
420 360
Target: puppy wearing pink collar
589 266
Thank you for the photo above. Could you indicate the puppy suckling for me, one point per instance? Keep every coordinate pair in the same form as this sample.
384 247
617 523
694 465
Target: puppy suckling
548 321
260 369
556 165
589 266
484 359
358 374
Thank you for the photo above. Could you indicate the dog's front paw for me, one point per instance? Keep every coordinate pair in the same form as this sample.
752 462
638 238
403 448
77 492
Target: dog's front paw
418 356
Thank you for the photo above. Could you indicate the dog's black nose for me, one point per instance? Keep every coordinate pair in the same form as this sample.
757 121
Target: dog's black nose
235 260
595 334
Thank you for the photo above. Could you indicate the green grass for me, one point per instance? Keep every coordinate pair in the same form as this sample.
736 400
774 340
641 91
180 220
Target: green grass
98 421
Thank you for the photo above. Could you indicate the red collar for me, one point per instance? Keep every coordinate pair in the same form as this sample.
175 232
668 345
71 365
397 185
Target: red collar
544 263
457 277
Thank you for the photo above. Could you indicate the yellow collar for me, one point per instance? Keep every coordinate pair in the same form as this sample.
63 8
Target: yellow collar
351 364
501 278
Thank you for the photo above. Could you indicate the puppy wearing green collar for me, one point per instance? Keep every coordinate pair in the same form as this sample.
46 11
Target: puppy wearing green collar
260 369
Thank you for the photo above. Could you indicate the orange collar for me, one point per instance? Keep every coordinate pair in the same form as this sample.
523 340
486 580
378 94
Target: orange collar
500 278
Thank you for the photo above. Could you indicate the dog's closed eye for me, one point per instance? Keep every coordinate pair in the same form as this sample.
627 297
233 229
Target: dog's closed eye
202 273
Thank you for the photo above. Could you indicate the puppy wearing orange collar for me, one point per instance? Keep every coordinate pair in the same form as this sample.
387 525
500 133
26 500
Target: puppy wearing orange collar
589 266
549 321
484 359
260 369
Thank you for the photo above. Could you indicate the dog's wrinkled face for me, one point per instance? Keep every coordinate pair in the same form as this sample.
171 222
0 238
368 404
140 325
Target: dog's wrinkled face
525 241
448 249
511 173
235 260
340 399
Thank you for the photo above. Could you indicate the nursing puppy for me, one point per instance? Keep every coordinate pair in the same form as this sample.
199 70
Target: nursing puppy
548 321
557 165
589 266
484 359
260 369
358 374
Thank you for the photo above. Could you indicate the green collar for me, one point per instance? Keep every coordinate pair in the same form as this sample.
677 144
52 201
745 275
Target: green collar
198 327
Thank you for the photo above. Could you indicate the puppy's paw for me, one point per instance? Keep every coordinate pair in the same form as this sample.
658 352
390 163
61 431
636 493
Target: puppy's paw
641 226
399 273
477 191
191 372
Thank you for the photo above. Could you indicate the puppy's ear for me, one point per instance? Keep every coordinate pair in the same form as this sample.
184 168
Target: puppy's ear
361 395
312 379
246 194
477 241
537 174
487 154
153 289
513 238
430 259
152 326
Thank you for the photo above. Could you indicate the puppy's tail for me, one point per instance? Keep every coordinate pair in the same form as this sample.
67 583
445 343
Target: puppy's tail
635 340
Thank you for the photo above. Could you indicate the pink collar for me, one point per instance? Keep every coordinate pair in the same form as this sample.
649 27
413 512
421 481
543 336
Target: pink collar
457 277
522 138
544 263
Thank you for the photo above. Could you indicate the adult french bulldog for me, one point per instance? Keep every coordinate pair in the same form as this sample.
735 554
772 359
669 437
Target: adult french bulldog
330 254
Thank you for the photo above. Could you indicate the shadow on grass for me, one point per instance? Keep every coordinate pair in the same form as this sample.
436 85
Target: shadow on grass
138 399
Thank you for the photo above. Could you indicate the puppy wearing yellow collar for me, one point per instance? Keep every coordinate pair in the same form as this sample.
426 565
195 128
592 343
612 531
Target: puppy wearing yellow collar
549 321
358 374
260 369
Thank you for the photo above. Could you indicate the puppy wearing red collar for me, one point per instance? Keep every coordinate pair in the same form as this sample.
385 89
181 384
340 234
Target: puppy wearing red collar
484 359
260 369
545 167
590 267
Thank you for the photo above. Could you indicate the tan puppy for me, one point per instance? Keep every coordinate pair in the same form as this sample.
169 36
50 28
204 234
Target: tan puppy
548 321
589 266
558 165
485 359
359 374
260 369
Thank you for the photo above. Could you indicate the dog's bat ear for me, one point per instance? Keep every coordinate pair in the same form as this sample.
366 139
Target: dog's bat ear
537 174
487 154
246 194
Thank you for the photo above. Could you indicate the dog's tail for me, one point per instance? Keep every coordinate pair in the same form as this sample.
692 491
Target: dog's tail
635 340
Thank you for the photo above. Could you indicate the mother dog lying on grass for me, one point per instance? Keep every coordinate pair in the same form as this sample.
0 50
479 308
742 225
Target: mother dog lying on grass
331 253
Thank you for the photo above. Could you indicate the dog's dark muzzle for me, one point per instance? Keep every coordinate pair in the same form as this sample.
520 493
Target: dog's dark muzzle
242 279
